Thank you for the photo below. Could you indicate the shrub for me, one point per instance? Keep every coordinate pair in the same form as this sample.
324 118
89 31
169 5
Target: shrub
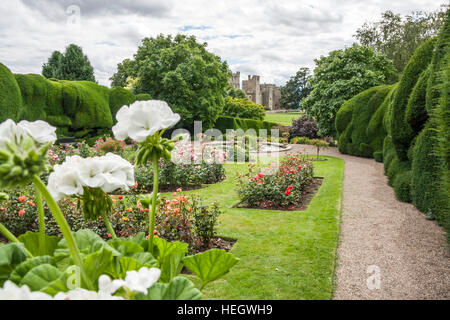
10 97
401 132
425 168
282 189
187 220
143 97
304 127
108 144
416 113
353 119
243 108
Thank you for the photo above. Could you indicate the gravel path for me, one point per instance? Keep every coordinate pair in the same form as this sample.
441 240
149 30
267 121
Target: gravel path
386 235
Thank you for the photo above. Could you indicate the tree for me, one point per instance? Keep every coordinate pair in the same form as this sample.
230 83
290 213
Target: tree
243 108
181 72
296 89
72 65
339 77
235 93
122 76
398 37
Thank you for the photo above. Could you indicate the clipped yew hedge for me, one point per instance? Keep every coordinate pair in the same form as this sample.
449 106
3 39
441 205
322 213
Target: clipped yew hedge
409 130
10 98
80 109
353 119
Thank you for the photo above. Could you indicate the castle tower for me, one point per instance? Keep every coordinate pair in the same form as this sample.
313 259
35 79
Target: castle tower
252 88
235 80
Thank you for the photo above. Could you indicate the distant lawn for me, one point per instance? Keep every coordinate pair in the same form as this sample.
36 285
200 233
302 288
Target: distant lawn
284 255
284 119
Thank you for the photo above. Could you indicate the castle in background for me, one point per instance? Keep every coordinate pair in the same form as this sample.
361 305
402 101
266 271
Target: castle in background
267 95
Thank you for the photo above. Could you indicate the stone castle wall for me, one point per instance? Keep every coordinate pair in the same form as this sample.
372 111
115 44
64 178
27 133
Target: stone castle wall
267 95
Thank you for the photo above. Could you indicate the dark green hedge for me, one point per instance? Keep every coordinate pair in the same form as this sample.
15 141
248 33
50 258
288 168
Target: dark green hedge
376 129
439 109
416 112
10 98
74 107
223 123
402 134
353 119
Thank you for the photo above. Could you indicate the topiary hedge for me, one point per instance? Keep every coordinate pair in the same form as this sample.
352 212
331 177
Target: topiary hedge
353 120
243 108
402 134
416 113
376 129
414 120
10 98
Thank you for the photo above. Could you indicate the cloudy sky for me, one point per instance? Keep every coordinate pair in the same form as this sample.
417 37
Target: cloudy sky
272 38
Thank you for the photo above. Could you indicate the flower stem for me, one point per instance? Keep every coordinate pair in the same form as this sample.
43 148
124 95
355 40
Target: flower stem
64 226
8 235
151 229
108 225
41 218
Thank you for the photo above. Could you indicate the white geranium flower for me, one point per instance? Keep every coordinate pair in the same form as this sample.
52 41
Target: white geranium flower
109 173
8 130
143 279
143 119
83 294
11 291
64 181
39 130
106 285
91 173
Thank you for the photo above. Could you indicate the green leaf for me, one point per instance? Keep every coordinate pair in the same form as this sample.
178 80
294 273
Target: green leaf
126 248
40 277
88 242
127 264
31 242
210 265
140 239
11 255
68 277
144 258
98 263
22 269
179 288
170 256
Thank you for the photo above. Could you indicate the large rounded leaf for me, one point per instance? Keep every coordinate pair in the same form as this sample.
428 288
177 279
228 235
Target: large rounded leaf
210 265
179 288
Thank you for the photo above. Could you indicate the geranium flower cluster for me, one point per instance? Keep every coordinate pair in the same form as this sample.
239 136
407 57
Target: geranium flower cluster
109 173
40 131
135 281
143 119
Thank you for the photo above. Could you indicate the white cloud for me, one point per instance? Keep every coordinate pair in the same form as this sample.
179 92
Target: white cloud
270 38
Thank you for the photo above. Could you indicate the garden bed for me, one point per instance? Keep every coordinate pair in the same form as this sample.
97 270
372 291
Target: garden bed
308 194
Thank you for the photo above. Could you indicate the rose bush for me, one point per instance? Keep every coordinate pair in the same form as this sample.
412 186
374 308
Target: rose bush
282 189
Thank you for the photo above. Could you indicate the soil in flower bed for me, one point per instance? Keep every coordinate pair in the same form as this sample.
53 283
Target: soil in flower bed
217 243
308 193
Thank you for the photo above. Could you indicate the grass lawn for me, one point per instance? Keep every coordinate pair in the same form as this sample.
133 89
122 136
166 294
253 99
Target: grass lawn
284 119
284 255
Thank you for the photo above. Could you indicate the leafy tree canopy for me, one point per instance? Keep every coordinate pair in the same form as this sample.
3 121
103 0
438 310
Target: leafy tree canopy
181 72
398 37
340 76
72 65
296 89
